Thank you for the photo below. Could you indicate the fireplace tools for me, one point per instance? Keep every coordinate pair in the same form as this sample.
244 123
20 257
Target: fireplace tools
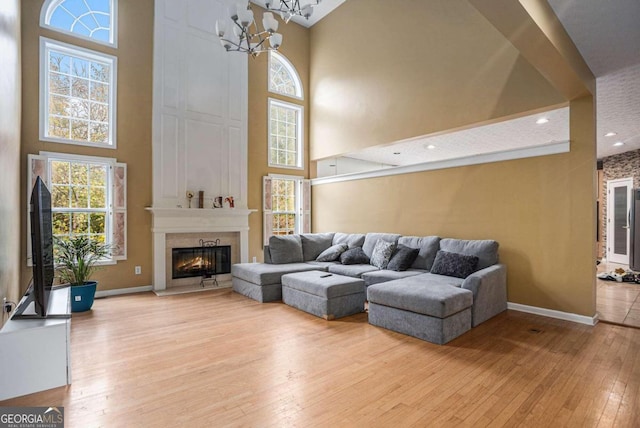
207 276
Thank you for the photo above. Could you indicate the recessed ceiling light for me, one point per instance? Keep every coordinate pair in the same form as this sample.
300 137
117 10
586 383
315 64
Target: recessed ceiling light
542 120
610 134
618 144
396 153
431 147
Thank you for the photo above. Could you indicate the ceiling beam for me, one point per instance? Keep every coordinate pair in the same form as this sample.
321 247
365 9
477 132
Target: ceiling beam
534 29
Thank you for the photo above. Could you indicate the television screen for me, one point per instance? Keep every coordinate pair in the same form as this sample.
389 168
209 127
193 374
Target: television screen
41 251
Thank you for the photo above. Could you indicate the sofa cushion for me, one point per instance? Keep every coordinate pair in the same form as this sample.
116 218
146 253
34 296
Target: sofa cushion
378 276
433 278
382 254
372 238
428 246
267 274
322 265
485 250
454 264
354 256
351 239
403 258
332 253
315 243
355 271
285 249
414 295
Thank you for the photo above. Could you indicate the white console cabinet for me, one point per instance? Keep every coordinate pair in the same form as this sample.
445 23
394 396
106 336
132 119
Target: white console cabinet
35 353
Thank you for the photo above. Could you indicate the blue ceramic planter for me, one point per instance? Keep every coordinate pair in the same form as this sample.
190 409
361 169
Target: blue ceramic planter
82 296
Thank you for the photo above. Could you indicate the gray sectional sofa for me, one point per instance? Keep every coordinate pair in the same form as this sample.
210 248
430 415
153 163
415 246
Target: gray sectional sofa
427 287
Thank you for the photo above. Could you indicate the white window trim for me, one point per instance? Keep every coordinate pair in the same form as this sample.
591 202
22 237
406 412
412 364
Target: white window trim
300 137
45 46
110 208
299 180
50 5
292 70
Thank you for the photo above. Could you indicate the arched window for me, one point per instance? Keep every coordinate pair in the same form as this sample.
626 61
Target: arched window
283 77
88 19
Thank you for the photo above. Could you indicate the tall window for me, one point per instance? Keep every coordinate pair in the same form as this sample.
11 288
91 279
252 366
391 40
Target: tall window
77 95
88 19
88 197
286 205
285 134
283 77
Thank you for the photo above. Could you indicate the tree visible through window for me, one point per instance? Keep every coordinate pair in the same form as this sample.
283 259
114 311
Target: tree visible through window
283 196
88 19
79 95
79 194
285 134
283 78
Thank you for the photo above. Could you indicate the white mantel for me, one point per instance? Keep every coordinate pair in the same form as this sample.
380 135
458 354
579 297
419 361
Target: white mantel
194 220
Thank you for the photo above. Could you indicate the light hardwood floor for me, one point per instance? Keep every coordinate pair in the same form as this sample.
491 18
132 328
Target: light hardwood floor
617 302
219 359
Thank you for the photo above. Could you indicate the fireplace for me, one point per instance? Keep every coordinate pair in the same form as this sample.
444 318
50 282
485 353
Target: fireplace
203 261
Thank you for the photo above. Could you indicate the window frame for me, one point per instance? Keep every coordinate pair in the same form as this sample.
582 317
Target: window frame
299 137
110 209
298 210
50 6
47 45
292 71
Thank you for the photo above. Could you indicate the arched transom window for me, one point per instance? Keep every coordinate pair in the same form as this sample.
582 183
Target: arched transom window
283 77
88 19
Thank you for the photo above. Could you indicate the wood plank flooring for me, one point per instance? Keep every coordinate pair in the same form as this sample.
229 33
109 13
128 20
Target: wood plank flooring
617 302
219 359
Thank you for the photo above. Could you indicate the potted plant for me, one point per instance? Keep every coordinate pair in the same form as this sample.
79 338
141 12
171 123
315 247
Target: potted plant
76 259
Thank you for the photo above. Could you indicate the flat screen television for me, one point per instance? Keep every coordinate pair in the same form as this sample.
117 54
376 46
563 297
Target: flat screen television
41 254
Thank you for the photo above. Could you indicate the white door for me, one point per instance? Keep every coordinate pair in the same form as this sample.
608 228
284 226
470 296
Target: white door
618 206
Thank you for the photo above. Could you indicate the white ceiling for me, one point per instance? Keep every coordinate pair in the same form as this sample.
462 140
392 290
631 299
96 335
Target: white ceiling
607 34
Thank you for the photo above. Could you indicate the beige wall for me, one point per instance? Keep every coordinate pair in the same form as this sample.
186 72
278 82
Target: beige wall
9 150
447 67
135 60
384 71
295 47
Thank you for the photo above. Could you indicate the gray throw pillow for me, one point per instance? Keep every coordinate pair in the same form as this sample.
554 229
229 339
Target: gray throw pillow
285 249
403 258
332 253
454 264
354 256
381 254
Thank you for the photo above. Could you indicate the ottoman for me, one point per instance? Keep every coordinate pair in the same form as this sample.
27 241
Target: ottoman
433 312
322 294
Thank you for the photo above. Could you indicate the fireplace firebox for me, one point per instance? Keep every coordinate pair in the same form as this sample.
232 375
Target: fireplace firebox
204 261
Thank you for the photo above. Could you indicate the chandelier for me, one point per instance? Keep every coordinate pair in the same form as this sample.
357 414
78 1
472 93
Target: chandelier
245 36
290 8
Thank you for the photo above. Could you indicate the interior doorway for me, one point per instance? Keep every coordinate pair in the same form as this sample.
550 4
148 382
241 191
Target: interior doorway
618 208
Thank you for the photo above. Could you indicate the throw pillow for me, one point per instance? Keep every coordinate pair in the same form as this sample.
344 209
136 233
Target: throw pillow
354 256
454 264
332 253
382 254
285 249
403 258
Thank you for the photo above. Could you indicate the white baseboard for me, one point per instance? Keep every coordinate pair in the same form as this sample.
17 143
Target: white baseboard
581 319
119 291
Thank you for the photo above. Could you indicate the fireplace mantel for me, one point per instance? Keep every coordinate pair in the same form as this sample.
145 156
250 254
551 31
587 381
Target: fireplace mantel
194 220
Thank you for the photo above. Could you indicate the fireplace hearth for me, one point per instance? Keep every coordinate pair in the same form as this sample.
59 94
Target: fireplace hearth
203 261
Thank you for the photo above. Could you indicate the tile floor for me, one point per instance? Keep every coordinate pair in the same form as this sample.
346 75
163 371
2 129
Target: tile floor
617 302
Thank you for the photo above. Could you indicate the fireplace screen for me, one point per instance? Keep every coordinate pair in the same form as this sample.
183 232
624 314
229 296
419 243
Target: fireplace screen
201 261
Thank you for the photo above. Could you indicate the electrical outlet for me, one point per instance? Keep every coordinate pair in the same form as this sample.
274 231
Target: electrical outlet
138 270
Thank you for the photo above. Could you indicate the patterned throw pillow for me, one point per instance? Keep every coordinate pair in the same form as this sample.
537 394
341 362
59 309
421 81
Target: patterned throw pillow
403 258
382 254
332 253
454 264
354 256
